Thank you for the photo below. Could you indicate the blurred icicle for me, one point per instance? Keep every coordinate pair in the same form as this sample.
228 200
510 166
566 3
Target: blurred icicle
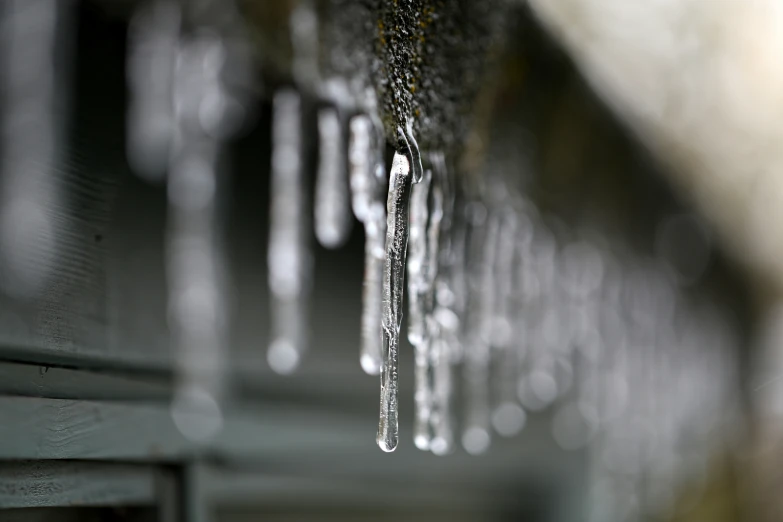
482 248
444 321
196 304
368 205
290 263
431 326
419 292
195 266
508 418
304 39
33 83
417 257
393 288
332 210
152 44
538 386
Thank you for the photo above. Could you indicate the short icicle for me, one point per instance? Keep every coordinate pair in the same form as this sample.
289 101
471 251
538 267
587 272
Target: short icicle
332 210
152 51
445 322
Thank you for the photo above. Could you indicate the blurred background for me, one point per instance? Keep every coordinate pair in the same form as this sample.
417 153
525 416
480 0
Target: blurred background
193 244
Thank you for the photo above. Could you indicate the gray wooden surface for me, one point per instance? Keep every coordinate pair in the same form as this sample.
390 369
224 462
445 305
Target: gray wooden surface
43 484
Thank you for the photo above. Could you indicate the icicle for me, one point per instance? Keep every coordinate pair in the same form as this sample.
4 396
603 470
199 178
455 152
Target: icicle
304 38
483 245
508 418
289 257
440 418
445 322
393 288
152 44
423 435
196 308
417 258
419 286
33 81
418 289
367 200
197 305
332 211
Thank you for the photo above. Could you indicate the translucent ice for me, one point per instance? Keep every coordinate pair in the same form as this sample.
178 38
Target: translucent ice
393 288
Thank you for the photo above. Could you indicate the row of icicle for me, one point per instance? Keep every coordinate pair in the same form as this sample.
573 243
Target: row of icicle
535 314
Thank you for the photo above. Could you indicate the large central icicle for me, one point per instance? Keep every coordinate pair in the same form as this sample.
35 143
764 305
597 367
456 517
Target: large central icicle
393 287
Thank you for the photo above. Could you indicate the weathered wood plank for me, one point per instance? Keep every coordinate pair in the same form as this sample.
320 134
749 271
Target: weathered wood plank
38 428
49 514
292 438
54 484
235 487
63 383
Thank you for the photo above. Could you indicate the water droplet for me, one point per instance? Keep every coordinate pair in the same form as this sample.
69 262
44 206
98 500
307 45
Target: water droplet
283 356
476 440
197 415
508 419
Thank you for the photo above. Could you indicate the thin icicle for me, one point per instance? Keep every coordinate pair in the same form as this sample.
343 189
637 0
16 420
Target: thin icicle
368 206
423 434
445 322
417 260
304 38
33 81
393 289
197 305
418 314
332 210
152 46
482 250
289 257
440 419
508 418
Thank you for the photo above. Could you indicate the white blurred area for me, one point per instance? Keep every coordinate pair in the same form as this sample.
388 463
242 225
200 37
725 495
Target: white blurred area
702 83
32 68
